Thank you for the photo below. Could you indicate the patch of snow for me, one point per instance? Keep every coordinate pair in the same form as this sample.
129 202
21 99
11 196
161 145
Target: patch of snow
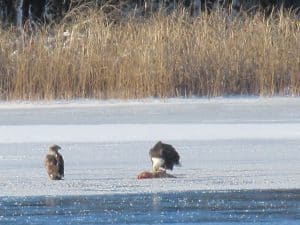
149 101
146 132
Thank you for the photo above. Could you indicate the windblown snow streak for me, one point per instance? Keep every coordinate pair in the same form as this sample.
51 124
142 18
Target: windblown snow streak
144 132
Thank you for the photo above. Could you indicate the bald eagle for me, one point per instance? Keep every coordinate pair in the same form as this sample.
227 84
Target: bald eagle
163 156
54 163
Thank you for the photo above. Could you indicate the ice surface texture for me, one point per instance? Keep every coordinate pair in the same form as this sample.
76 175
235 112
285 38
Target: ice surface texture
211 208
224 144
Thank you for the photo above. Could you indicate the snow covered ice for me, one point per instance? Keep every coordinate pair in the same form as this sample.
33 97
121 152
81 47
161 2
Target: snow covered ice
225 144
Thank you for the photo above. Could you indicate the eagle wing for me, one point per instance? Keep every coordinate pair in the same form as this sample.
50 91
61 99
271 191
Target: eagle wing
60 164
170 155
54 166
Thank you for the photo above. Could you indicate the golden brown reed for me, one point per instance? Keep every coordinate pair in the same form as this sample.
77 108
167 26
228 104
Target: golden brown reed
161 56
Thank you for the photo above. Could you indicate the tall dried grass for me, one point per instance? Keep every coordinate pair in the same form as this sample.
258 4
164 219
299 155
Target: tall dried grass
161 56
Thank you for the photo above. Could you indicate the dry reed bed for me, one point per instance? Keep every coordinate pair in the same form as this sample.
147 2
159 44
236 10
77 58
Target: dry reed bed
162 56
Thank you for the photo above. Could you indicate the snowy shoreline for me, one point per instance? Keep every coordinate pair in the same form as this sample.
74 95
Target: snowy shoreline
19 104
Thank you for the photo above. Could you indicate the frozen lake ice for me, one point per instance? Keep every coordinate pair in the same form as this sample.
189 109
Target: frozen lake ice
276 207
226 146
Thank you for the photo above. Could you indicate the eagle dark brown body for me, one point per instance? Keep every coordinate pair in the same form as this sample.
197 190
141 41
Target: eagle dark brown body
54 163
163 156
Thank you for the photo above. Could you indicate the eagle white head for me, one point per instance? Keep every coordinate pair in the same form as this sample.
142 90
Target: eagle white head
54 148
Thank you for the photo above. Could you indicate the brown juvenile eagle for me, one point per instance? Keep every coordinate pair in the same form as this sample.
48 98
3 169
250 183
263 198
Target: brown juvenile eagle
163 156
54 163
